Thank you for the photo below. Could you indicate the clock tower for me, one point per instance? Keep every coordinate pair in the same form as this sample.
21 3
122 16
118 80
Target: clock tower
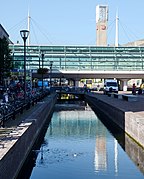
101 25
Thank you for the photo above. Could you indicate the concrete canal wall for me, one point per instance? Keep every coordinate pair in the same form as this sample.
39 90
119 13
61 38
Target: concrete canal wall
128 115
19 141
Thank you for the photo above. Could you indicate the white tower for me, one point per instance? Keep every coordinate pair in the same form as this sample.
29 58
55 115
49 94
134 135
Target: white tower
29 28
117 31
101 25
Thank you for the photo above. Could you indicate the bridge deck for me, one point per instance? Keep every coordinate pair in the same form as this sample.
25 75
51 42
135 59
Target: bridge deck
80 58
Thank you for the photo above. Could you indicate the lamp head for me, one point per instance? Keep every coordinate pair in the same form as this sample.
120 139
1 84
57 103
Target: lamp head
51 62
42 54
24 34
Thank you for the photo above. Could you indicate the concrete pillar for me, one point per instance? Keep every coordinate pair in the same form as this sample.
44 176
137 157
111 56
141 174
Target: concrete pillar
76 83
71 82
123 84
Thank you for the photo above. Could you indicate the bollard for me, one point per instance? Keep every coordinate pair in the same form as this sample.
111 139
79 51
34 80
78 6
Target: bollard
3 122
28 106
14 115
21 110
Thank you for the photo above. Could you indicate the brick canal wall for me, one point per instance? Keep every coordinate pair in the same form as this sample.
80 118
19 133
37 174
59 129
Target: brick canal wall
122 113
20 140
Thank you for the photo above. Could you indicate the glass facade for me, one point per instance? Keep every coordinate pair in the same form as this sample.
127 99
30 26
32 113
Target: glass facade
80 58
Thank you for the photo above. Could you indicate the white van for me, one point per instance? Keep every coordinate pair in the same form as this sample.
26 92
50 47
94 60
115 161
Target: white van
110 86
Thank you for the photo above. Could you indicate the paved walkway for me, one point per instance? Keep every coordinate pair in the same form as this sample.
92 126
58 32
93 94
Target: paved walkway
14 128
134 106
21 117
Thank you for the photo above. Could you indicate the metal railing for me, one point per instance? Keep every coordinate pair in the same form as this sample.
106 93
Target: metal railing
9 110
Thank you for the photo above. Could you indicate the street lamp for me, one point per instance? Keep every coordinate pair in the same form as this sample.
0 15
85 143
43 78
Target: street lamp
51 63
42 70
24 34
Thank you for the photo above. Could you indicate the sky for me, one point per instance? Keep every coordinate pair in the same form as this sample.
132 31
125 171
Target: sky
71 22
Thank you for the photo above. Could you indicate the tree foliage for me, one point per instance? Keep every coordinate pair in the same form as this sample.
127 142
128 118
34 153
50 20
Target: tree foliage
42 70
6 62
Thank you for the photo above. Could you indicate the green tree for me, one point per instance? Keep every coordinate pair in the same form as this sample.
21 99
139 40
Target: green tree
6 62
42 70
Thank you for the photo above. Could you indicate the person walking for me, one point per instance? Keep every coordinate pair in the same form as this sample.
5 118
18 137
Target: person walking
134 89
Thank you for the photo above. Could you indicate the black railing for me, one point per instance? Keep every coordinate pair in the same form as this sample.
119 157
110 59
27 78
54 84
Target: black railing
9 110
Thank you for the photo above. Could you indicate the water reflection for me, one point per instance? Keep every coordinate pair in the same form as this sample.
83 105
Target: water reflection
100 161
78 145
133 150
73 124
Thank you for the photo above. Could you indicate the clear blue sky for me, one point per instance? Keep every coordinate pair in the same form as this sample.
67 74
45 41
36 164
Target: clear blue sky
71 22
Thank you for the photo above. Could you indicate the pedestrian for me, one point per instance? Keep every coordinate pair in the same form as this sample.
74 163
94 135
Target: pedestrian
140 89
134 89
5 97
1 96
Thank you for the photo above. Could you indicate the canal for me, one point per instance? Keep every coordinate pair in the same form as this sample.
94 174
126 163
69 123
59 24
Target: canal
79 145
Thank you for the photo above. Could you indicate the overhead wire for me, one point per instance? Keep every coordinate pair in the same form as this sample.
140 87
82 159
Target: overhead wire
34 33
45 35
110 29
130 37
23 24
17 27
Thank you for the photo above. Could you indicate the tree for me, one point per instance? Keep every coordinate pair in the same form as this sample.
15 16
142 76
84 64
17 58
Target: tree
42 70
6 62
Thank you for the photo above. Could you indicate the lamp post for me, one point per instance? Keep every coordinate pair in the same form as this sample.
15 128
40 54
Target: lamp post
42 70
51 63
24 34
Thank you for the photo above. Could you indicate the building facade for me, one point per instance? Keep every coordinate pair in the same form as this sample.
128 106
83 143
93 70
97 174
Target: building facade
3 32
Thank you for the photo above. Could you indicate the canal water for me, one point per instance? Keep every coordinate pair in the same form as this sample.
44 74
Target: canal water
77 145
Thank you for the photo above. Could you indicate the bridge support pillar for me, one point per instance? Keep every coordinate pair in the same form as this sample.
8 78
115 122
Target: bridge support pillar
76 82
123 84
